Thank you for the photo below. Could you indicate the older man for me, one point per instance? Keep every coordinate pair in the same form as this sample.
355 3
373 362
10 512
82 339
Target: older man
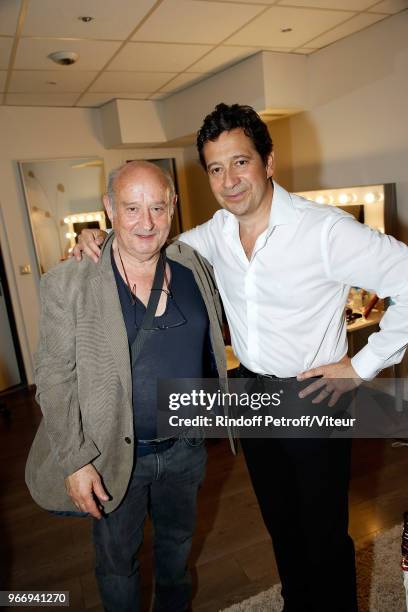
107 333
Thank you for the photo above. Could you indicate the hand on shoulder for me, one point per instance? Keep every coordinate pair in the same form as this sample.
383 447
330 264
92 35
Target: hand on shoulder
89 242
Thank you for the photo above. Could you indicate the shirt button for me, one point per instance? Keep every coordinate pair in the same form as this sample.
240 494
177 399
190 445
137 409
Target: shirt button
128 440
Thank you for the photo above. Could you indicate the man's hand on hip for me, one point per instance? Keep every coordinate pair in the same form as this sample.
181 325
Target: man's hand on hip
336 379
86 490
89 241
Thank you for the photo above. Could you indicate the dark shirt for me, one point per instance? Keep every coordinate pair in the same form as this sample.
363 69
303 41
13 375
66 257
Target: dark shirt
177 351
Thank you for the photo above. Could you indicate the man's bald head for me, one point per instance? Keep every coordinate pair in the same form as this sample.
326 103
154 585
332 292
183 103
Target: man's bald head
139 170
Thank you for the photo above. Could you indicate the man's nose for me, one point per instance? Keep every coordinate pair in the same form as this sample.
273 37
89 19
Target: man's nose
231 178
147 220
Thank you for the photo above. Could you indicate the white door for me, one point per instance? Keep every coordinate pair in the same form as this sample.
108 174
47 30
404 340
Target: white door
9 373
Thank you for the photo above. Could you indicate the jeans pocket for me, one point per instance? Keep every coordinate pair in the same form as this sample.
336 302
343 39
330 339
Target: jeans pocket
194 439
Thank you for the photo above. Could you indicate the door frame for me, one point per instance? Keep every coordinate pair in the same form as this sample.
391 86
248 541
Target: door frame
13 327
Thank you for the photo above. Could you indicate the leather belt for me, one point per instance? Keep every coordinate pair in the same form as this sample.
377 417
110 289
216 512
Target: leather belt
146 447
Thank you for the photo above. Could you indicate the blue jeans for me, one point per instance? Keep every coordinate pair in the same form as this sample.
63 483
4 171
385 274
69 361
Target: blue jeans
165 485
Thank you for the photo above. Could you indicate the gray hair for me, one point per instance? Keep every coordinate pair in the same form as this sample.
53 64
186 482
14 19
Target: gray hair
114 174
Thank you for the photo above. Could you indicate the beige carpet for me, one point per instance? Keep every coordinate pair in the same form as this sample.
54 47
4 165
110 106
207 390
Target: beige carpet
380 580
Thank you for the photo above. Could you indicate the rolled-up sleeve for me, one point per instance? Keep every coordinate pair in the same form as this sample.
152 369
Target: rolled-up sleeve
359 256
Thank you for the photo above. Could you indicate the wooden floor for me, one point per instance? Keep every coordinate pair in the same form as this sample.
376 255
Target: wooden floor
232 557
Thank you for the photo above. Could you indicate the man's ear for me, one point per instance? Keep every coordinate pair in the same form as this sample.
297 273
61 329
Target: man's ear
270 165
108 206
173 205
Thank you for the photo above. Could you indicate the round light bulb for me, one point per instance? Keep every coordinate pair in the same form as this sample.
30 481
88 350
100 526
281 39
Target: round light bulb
66 220
343 198
369 197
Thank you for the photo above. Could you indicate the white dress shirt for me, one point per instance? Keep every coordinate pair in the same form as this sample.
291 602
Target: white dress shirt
285 306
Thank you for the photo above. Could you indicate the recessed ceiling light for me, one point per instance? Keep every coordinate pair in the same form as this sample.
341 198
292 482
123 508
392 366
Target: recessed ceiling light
285 30
86 18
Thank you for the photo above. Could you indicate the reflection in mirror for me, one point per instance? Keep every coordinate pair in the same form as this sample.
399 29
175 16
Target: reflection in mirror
63 197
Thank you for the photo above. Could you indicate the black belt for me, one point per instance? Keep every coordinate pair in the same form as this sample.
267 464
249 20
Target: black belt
146 447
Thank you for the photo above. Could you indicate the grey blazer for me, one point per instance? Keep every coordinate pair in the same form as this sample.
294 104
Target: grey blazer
83 376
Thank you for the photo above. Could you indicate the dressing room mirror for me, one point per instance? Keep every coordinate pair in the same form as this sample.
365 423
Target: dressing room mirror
374 205
63 196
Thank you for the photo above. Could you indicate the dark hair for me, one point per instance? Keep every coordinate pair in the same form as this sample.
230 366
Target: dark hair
225 118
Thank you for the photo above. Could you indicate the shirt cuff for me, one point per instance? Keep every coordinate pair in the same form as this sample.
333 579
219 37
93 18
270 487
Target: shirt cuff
366 363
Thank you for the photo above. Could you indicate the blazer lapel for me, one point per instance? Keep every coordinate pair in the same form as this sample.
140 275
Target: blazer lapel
107 298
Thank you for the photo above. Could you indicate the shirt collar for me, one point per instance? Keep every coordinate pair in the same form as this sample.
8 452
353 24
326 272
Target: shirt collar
283 211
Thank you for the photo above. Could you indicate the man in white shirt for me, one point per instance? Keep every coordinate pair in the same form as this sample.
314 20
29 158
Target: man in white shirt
283 267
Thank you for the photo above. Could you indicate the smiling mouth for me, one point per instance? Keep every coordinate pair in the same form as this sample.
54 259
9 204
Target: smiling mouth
234 196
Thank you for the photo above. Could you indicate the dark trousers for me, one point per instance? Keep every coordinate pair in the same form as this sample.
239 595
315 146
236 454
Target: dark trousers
166 485
302 490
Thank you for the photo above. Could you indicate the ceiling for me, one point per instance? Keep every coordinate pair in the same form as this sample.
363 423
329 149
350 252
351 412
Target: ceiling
148 49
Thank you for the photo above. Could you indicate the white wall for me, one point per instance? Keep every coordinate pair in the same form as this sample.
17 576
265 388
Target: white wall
357 130
48 133
286 81
131 123
183 112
